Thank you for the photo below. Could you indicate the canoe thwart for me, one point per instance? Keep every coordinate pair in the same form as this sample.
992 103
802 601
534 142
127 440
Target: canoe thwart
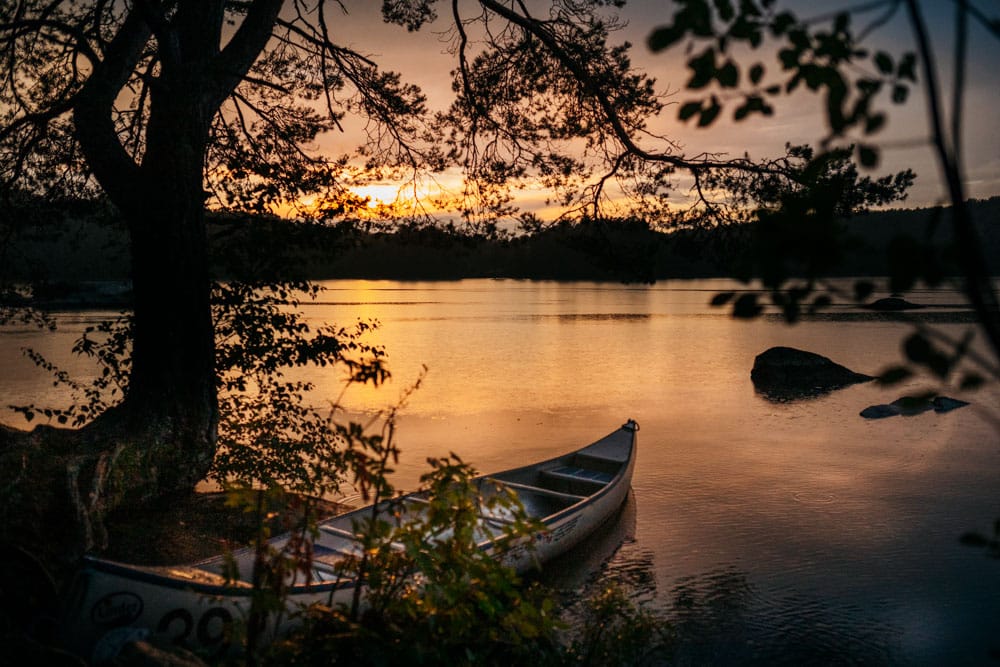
339 532
539 490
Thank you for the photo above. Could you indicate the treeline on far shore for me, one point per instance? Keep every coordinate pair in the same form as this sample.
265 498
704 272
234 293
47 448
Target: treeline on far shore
80 243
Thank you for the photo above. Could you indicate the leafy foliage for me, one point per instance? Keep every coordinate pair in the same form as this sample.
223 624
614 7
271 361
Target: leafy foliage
825 59
616 631
434 595
270 433
797 237
261 337
792 225
107 344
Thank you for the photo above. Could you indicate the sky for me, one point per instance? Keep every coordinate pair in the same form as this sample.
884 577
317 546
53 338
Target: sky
422 59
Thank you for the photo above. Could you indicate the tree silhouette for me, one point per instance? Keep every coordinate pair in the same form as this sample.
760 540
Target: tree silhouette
165 107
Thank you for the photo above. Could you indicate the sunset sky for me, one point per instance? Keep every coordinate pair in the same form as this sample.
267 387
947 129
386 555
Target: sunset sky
421 57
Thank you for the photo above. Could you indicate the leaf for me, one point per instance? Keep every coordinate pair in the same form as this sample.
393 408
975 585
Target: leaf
842 22
756 73
820 302
664 37
900 93
971 381
874 123
746 307
863 289
918 349
689 109
722 298
868 156
789 58
781 23
883 61
728 75
741 111
709 114
703 69
907 68
894 375
725 9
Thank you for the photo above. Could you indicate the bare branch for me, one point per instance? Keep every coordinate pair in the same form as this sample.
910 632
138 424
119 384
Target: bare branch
235 60
596 91
96 132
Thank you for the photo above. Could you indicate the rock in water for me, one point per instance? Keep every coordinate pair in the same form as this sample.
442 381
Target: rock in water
880 411
909 406
913 405
784 373
945 404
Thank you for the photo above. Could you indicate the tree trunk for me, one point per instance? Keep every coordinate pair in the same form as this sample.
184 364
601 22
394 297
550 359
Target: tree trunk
173 363
160 441
56 485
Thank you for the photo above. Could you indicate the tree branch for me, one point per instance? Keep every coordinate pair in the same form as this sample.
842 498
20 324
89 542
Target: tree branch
978 286
234 61
598 94
95 130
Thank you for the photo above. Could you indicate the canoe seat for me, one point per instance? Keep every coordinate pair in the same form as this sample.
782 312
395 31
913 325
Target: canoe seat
567 482
597 462
326 555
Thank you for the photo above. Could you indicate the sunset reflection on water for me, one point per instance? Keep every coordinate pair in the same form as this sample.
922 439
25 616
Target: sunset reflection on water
770 532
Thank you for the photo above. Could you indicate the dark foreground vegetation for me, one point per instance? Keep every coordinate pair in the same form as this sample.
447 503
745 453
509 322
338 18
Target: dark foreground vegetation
75 242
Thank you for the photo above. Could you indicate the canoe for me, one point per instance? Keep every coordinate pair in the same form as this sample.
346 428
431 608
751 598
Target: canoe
113 603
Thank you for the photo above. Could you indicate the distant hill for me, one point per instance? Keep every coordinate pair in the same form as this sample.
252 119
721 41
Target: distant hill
61 243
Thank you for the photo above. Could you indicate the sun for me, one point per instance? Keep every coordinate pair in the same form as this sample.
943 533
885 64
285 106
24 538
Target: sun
384 195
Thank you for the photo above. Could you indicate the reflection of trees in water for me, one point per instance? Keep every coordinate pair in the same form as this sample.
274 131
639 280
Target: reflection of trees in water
709 615
610 557
720 618
608 582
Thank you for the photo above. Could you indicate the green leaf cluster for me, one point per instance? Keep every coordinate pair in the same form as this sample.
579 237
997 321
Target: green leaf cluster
825 58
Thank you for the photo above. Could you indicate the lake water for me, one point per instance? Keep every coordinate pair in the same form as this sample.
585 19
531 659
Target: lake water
772 533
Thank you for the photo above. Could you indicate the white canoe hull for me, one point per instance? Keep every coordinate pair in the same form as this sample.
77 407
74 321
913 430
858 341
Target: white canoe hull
192 605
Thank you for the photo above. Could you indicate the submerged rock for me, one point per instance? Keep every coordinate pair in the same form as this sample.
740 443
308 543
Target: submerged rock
891 304
785 373
880 411
909 405
945 404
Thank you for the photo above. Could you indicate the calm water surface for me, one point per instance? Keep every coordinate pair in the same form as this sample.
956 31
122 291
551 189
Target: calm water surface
772 533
